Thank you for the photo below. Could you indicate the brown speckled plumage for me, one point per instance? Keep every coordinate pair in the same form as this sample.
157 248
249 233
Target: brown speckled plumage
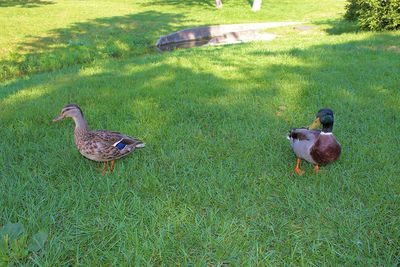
98 145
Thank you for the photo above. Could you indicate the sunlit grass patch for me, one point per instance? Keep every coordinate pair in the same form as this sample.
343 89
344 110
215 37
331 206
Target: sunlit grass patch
58 34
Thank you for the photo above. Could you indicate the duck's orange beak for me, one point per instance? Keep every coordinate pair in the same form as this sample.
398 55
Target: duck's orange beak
315 124
59 117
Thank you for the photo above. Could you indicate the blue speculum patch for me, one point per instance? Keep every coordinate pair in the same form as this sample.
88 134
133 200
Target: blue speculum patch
120 145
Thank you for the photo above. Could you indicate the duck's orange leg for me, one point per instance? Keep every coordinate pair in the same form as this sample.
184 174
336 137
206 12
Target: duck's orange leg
297 169
112 165
317 170
103 169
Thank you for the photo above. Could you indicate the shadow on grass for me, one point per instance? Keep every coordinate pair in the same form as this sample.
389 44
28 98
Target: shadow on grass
24 3
207 3
338 27
117 37
217 174
250 2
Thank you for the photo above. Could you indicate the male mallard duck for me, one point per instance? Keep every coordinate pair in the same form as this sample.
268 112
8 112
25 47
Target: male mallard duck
315 146
98 145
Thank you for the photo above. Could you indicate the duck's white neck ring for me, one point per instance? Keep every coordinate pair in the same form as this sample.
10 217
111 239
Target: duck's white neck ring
324 133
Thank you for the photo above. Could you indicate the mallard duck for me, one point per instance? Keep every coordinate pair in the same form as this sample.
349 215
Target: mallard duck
319 147
98 145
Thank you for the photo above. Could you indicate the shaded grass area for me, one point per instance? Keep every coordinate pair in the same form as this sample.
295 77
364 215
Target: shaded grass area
24 3
116 37
215 183
72 32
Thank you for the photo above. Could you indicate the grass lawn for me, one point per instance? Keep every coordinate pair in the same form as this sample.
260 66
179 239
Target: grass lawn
215 183
48 35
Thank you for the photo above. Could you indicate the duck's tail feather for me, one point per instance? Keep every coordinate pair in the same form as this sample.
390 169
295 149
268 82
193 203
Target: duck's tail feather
140 144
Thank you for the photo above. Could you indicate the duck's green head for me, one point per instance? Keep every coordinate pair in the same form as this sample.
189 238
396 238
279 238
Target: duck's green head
70 110
324 117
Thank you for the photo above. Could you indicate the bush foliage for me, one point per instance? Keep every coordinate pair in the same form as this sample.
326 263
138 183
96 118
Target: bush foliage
375 15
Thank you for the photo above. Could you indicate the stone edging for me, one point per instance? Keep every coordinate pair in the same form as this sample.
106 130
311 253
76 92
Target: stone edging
217 33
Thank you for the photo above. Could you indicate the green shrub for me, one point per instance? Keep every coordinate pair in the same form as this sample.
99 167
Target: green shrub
352 9
375 15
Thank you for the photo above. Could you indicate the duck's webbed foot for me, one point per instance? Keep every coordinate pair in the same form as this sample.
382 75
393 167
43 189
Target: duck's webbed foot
104 170
297 169
317 170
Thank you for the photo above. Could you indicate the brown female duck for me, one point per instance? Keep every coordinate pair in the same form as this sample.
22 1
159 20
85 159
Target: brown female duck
98 145
319 147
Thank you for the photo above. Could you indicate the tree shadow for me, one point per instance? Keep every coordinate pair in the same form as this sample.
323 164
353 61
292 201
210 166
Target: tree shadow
339 26
24 3
215 134
268 86
115 37
206 3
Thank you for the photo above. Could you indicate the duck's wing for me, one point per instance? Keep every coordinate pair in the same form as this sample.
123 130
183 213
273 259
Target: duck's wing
301 140
114 139
303 134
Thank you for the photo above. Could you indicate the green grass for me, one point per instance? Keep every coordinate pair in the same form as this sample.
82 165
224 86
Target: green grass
56 34
215 183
